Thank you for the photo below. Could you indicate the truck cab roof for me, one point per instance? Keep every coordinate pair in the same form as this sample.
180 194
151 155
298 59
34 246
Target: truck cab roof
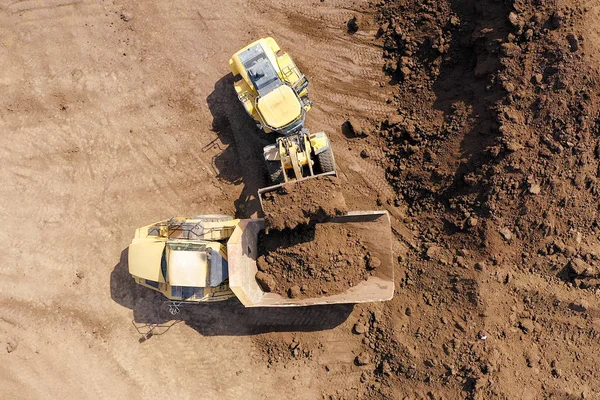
179 263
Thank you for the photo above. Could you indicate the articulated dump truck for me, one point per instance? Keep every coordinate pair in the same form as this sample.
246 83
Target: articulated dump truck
213 257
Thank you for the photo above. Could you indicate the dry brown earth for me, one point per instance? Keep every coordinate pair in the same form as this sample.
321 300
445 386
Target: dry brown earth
481 141
304 202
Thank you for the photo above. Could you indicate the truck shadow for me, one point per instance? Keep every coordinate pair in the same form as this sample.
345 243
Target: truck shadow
226 318
241 161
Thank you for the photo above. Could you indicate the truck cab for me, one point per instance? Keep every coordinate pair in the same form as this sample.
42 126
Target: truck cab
176 263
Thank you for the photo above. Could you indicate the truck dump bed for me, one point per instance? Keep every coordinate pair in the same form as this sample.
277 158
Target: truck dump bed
374 230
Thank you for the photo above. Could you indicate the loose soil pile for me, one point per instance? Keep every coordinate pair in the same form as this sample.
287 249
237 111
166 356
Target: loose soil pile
494 154
313 260
313 200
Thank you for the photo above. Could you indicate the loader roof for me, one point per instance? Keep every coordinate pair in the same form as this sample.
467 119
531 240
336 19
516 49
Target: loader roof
261 71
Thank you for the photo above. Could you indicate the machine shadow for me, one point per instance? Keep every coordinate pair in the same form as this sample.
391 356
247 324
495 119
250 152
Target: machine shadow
226 318
241 162
467 91
466 77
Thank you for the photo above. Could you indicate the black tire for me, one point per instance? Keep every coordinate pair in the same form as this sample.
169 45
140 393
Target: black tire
275 172
326 161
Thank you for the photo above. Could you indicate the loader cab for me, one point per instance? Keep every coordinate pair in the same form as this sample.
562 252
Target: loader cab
263 86
260 70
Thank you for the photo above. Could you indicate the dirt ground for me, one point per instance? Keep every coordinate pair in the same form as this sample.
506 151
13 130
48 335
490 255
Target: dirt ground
475 124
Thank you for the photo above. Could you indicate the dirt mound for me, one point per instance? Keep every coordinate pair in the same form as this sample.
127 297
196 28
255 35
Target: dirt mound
494 152
313 260
312 200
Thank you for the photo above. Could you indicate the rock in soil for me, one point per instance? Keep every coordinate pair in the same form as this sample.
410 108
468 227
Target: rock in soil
353 25
266 281
580 267
362 359
359 328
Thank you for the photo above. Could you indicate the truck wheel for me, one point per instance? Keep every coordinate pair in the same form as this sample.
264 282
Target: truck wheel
275 172
326 161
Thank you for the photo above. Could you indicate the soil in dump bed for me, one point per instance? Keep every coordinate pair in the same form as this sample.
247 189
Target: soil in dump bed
312 200
313 260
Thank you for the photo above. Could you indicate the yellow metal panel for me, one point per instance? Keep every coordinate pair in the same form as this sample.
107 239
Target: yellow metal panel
318 141
187 268
272 44
144 259
246 94
279 107
285 61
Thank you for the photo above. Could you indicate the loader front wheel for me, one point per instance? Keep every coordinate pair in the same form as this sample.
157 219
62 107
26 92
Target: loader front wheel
326 161
275 172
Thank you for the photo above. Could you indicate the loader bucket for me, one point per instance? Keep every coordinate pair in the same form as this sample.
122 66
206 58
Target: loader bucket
268 189
375 232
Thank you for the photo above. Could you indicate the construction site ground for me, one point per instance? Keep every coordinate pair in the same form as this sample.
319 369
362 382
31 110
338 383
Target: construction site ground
474 123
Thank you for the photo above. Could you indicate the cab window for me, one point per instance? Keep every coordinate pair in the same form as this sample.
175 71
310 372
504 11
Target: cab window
187 292
163 264
152 283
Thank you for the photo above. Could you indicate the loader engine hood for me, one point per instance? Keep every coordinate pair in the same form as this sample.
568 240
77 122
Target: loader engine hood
279 107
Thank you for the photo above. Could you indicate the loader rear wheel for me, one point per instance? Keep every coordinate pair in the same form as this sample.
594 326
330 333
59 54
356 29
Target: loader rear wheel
326 161
275 172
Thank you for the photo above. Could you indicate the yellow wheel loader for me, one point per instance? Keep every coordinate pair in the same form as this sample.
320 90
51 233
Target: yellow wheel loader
270 86
213 257
274 92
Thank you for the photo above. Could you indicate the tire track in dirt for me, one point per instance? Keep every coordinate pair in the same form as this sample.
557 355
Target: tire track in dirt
306 15
359 105
34 362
